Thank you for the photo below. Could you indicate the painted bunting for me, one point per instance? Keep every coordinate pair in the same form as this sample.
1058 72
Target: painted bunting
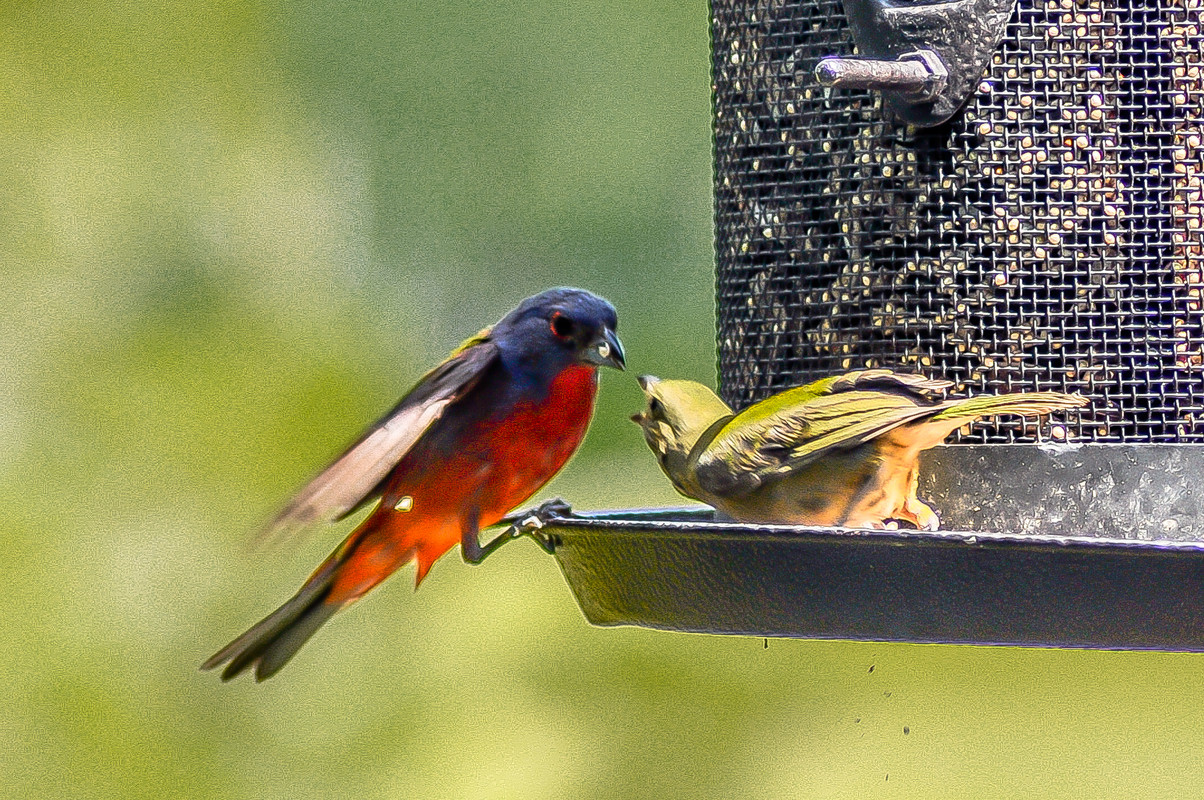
476 436
840 451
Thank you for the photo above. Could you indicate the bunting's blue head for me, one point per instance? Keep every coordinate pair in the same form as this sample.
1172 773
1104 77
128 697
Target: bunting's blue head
559 328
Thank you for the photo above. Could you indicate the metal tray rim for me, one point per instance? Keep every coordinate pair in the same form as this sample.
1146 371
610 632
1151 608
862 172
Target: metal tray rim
698 522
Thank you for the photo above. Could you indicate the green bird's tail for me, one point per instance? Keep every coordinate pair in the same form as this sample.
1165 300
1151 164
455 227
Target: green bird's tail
953 414
1024 404
956 413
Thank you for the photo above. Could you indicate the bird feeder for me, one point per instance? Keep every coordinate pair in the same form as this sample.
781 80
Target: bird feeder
1007 196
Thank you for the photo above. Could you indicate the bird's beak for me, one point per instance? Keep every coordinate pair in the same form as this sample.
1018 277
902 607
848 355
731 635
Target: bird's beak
606 351
646 383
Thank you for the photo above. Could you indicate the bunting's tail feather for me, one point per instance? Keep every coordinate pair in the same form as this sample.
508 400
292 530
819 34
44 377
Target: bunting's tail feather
382 544
270 644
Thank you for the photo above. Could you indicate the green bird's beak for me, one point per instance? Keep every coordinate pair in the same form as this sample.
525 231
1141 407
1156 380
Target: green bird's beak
606 351
646 382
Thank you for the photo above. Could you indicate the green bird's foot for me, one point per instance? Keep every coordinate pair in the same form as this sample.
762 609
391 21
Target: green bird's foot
918 513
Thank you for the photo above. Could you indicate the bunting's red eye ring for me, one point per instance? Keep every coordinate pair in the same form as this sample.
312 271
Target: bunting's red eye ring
561 325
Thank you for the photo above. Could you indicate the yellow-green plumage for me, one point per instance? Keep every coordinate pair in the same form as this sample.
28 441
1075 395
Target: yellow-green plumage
840 451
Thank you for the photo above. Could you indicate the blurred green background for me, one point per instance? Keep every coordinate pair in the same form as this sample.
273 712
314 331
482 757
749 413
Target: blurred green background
232 233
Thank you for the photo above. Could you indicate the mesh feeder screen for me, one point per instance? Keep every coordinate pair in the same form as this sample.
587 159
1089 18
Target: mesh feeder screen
1048 236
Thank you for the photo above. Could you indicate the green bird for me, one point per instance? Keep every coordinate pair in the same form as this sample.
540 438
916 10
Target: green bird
840 451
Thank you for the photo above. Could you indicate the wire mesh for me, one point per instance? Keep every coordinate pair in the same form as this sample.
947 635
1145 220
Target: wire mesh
1049 236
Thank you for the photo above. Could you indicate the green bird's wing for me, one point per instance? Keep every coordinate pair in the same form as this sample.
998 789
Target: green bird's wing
355 478
923 390
795 428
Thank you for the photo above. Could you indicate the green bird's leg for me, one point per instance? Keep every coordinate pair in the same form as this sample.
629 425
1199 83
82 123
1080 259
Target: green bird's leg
915 510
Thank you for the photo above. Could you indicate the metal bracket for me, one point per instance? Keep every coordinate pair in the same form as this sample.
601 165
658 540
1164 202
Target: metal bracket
918 77
925 59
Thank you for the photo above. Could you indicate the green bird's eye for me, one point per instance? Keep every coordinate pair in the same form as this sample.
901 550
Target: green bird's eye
656 408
